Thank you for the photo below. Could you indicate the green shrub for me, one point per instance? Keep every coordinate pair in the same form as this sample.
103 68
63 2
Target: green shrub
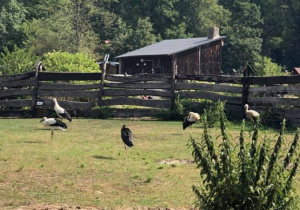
210 107
245 176
68 62
17 61
213 112
165 115
176 114
265 67
100 112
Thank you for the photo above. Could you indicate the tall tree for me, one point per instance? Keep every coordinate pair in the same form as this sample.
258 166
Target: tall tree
161 13
85 37
65 28
52 32
291 37
141 35
12 16
273 18
200 15
243 43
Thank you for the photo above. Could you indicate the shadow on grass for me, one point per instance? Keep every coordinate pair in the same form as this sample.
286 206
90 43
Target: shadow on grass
100 157
44 129
34 142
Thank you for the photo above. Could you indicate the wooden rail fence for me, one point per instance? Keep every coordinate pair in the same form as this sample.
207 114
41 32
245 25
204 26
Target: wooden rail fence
33 92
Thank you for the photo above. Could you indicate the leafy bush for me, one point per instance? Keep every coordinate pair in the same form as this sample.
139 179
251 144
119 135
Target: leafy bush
100 112
245 176
213 112
68 62
265 67
176 114
210 107
17 61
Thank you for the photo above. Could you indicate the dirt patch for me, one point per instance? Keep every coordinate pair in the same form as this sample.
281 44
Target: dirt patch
175 161
55 207
69 207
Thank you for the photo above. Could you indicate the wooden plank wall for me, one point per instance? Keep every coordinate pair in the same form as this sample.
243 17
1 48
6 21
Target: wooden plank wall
195 88
277 95
16 92
120 90
77 97
20 93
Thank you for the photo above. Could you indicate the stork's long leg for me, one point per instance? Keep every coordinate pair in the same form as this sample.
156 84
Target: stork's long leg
125 152
52 133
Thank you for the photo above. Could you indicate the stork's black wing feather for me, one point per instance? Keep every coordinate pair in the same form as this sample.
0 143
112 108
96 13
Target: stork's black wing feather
66 115
127 136
59 123
187 123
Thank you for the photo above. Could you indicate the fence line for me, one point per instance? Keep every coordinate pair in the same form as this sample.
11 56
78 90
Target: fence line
32 93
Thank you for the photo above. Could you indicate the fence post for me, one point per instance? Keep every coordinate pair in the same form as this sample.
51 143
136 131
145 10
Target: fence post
100 101
245 90
173 82
34 94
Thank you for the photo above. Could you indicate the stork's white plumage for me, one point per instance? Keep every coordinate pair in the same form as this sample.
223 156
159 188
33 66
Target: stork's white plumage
61 112
53 124
250 113
190 119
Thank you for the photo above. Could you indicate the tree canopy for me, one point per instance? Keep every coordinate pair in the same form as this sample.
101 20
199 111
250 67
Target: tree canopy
255 30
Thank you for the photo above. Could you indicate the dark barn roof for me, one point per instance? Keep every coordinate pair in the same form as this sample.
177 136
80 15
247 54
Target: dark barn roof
170 47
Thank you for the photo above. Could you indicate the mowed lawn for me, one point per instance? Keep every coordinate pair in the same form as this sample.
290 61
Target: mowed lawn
86 166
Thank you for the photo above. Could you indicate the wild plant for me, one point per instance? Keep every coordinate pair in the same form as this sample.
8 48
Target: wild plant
244 175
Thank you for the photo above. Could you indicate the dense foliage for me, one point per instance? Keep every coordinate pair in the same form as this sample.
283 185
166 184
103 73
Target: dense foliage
254 29
16 61
254 175
67 62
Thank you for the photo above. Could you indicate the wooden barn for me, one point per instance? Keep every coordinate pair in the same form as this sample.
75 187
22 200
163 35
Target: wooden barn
197 56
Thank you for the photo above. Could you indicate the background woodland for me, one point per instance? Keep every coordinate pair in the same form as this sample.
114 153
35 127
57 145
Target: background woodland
262 33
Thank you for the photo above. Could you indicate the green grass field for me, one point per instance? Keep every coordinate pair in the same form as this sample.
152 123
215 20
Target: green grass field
85 165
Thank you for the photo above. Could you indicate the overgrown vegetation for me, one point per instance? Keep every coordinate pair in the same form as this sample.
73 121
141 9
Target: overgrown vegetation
17 61
100 112
177 113
182 108
254 175
265 67
98 27
212 111
68 62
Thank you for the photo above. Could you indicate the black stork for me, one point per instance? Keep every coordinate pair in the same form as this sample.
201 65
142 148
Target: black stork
127 138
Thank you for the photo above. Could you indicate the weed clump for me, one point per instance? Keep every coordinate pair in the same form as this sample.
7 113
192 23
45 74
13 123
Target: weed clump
254 175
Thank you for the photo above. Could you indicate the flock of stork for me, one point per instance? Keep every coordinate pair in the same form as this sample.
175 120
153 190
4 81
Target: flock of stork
126 133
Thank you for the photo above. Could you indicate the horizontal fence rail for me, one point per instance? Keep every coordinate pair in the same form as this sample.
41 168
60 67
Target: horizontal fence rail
194 89
17 77
142 90
276 96
144 94
16 93
53 76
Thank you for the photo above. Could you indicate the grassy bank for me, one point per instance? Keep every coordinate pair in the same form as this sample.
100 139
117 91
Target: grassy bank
85 165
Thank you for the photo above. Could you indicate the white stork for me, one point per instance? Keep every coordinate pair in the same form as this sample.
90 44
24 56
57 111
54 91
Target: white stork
190 119
61 112
53 124
251 113
127 138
